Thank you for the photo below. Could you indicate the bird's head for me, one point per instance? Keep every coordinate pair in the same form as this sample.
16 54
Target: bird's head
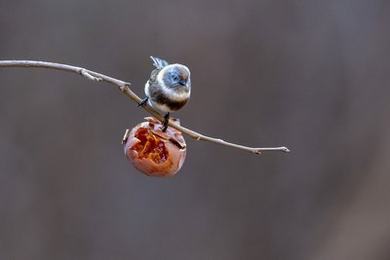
176 76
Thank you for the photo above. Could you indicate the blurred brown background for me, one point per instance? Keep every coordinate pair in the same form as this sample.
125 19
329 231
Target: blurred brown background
312 75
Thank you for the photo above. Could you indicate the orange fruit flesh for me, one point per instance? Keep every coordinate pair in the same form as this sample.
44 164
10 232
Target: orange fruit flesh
150 146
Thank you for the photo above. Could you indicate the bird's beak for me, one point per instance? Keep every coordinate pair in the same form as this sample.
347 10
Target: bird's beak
182 82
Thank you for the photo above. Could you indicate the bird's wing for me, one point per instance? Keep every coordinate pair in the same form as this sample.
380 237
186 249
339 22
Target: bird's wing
159 63
153 75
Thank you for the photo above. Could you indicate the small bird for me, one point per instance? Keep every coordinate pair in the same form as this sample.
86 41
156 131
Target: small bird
168 89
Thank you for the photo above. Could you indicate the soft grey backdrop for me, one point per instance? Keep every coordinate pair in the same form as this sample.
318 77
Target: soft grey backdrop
312 75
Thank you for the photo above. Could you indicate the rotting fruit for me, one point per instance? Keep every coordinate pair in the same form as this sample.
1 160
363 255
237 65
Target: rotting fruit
154 152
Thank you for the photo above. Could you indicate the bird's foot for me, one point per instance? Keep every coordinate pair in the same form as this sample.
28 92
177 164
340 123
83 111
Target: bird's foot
143 102
165 123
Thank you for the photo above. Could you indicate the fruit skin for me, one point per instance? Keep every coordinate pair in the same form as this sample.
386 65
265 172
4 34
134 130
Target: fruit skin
154 152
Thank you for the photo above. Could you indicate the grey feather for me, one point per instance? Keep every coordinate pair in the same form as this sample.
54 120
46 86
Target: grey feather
159 63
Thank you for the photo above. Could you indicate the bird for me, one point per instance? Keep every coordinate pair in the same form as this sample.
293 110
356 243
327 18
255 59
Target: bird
168 88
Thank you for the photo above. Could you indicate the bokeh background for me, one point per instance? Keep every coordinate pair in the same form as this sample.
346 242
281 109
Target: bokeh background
311 75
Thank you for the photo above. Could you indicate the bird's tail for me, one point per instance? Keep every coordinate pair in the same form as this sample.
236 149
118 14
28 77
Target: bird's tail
159 63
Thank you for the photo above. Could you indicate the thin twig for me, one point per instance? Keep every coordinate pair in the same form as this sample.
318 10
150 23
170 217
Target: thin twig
125 89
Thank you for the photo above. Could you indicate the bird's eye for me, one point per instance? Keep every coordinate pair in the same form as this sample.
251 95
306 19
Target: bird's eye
174 77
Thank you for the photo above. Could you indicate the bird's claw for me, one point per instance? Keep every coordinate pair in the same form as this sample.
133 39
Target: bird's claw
143 102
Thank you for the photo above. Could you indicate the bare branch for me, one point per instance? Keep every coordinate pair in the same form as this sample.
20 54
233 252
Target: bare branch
85 73
124 87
